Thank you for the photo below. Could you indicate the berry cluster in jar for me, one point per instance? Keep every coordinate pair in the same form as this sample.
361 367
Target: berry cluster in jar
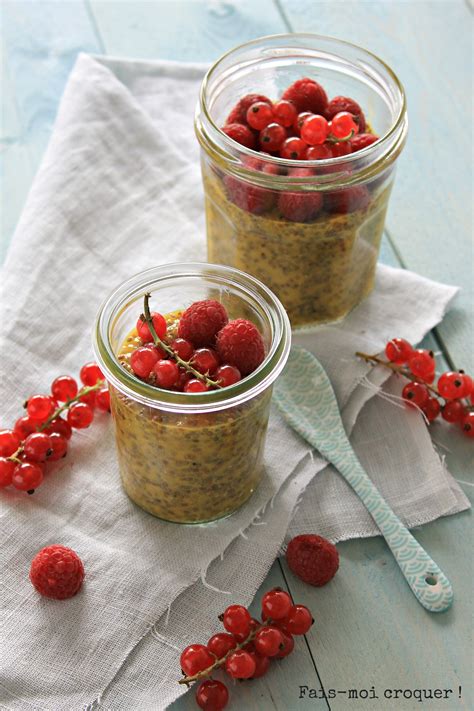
42 435
302 125
194 351
247 647
452 397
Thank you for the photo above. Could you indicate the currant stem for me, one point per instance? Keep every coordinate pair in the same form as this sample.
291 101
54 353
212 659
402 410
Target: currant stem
396 369
219 662
85 391
333 139
158 342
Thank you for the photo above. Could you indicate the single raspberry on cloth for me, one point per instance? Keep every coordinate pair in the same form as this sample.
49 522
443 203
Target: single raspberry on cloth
241 134
239 112
312 558
202 321
344 103
307 95
240 344
57 572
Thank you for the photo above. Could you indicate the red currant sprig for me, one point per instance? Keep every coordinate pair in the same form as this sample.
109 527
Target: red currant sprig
245 650
452 398
42 435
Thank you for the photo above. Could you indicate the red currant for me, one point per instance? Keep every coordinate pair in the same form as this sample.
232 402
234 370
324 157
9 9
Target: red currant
64 388
9 442
288 645
88 398
343 124
422 364
205 360
240 665
27 476
80 415
212 695
58 445
314 130
285 113
237 620
195 386
453 411
221 643
293 148
59 426
415 394
268 641
37 446
227 375
318 152
103 399
160 327
25 426
142 361
467 424
298 620
431 408
196 658
300 119
451 385
90 373
183 348
272 137
184 378
40 407
468 389
259 115
340 149
166 373
276 604
7 467
262 665
398 350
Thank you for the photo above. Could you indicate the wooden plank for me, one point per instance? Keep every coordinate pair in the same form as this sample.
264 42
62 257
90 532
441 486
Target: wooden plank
430 218
184 30
41 40
278 690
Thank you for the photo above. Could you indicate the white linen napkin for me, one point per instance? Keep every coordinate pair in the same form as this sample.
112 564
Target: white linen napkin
118 191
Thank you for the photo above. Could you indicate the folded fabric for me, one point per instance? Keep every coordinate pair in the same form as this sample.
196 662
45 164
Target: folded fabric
114 196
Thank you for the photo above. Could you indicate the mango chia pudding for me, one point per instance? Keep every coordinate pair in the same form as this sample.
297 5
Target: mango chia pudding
191 386
296 181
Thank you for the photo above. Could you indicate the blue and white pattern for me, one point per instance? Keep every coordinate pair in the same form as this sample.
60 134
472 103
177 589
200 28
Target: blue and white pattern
306 399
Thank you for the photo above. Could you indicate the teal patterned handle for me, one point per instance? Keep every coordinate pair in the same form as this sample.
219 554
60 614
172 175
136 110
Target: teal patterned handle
306 399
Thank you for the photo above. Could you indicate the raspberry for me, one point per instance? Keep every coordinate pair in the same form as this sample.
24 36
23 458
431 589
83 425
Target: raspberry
307 95
239 343
313 559
252 198
347 200
344 103
300 206
239 112
202 321
241 134
57 572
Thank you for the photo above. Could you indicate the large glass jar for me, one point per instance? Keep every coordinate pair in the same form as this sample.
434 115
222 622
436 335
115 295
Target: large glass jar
319 260
189 457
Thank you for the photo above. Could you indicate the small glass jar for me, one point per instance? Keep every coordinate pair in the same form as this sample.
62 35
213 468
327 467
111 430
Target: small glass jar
188 457
312 238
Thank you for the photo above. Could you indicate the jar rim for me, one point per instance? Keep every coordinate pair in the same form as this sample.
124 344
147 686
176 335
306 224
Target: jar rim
390 143
212 400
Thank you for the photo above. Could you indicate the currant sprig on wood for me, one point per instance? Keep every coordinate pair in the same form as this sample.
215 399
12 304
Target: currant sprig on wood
245 649
41 435
453 395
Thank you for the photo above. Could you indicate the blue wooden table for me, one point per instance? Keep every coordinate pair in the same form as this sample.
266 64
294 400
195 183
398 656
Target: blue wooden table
369 631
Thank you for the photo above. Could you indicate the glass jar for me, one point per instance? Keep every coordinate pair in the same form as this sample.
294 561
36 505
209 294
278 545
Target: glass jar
313 238
189 457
